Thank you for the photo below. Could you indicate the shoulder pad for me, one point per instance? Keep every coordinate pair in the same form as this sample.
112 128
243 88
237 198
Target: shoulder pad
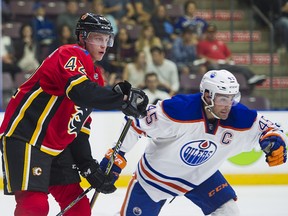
240 117
183 107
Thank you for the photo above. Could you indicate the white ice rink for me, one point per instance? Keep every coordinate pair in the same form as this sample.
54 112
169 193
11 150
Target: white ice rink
252 201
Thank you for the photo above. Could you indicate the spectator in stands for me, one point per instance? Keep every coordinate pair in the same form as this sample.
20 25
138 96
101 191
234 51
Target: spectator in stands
277 13
122 10
112 79
7 53
163 26
122 52
218 56
65 36
184 51
44 30
143 9
269 8
154 94
26 50
6 11
125 46
98 8
190 19
70 17
165 69
146 40
135 71
281 24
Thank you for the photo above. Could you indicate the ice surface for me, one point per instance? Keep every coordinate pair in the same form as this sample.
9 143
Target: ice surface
252 201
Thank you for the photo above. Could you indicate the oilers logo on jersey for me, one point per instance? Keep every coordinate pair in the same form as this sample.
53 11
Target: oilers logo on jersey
197 152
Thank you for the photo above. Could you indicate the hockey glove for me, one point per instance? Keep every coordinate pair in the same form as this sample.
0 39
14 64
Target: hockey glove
97 179
137 100
274 147
119 163
122 88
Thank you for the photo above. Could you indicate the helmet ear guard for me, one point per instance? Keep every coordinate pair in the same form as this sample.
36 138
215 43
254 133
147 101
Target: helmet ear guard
84 34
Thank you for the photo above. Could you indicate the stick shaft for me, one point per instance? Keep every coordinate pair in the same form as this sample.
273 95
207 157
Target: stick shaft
107 171
113 156
74 201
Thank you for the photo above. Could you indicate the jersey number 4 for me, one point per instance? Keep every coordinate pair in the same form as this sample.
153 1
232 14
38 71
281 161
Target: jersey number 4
72 65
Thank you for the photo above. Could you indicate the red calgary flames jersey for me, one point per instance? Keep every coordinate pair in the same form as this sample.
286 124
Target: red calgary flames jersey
41 112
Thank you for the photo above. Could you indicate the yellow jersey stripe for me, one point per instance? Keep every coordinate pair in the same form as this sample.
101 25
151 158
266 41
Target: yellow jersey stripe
6 165
26 167
75 82
23 110
85 130
50 151
41 119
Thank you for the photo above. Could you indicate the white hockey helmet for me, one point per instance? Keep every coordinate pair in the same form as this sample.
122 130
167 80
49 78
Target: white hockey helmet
219 82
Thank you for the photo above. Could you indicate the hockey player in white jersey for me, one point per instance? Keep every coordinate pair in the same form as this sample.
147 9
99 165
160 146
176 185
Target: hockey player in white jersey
190 137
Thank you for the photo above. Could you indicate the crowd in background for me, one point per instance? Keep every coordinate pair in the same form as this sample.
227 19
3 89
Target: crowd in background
147 41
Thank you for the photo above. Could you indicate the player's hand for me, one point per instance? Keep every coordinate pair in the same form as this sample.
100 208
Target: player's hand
119 163
137 100
275 149
97 178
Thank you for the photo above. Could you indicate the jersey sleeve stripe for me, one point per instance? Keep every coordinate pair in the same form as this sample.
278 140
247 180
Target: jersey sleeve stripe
75 82
85 130
138 131
50 151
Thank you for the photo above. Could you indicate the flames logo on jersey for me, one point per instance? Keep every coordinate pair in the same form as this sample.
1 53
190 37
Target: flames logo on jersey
197 152
75 120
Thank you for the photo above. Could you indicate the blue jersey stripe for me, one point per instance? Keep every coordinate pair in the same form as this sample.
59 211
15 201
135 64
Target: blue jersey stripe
167 177
156 185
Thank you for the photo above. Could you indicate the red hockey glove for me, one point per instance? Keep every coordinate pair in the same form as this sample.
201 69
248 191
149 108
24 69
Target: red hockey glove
119 163
97 179
274 147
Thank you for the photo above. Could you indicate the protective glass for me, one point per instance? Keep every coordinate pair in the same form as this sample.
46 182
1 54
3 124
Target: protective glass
226 100
100 39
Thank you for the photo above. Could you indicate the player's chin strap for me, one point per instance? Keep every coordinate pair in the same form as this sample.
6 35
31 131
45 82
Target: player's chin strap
209 107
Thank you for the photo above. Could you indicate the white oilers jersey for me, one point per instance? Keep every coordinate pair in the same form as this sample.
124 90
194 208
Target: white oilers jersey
185 149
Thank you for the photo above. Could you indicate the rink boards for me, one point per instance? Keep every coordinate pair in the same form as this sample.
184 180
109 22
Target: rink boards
246 168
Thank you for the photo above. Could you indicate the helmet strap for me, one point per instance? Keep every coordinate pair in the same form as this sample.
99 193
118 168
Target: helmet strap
209 107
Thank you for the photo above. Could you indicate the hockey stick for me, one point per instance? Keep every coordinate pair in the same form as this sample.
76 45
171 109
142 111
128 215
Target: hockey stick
113 156
109 167
74 201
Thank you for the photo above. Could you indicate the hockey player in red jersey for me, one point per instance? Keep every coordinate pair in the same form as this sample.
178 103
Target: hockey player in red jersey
47 123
